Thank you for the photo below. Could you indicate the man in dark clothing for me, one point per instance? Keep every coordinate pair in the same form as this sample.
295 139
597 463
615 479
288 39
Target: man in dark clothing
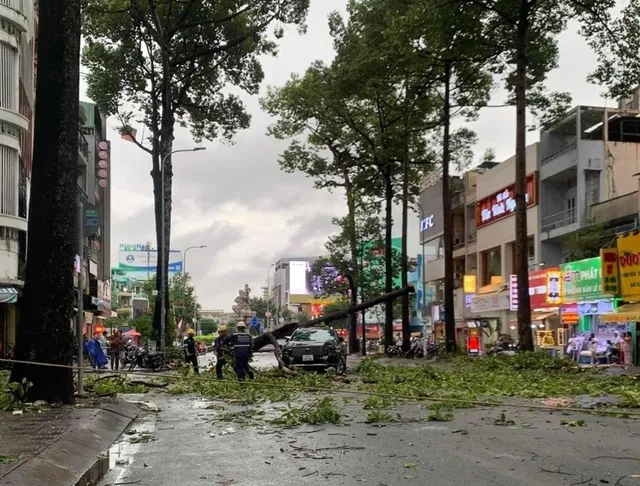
242 348
220 348
190 354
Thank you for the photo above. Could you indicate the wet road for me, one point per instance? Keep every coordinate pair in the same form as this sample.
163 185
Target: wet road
191 446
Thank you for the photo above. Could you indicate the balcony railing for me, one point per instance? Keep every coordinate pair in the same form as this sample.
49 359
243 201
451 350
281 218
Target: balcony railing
83 145
559 220
615 208
559 153
17 5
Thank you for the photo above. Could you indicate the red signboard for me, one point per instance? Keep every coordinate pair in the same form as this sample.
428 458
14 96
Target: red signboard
503 204
538 290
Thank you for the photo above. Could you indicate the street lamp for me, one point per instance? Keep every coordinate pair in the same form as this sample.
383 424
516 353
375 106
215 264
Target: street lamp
269 295
184 261
163 244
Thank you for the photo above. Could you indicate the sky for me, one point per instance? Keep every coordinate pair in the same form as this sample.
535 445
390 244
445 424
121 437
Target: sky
234 198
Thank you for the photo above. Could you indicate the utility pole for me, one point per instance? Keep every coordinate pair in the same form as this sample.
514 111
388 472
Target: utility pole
79 306
162 251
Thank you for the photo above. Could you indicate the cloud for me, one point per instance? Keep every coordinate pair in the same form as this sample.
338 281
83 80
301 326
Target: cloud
236 200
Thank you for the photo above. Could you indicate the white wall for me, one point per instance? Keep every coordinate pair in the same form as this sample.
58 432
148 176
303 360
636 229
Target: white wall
8 259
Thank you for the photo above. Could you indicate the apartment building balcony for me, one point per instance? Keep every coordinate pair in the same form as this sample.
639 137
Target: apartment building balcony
15 12
618 208
559 161
559 224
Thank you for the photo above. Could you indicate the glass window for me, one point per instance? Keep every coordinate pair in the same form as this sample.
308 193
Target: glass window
491 263
313 335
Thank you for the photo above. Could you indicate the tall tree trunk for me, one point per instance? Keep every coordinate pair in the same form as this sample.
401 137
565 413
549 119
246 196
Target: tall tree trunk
353 248
525 335
388 259
44 333
449 317
406 334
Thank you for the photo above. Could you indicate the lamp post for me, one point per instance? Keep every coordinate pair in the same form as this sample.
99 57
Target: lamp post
269 295
163 244
422 272
184 263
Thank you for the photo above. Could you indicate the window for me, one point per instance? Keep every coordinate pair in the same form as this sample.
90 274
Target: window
491 265
313 335
571 209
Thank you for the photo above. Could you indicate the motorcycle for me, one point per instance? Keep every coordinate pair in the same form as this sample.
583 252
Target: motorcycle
393 351
505 346
141 358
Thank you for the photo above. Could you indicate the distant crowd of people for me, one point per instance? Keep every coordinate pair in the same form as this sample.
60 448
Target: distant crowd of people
618 350
103 349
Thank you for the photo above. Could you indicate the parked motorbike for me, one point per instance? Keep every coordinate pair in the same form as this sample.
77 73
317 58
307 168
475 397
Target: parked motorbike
505 346
141 358
393 351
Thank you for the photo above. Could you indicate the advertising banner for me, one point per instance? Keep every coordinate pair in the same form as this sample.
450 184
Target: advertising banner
543 292
140 261
609 271
469 283
629 265
581 280
554 287
502 204
513 292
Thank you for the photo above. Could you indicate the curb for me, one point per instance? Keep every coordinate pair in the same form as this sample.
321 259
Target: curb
80 457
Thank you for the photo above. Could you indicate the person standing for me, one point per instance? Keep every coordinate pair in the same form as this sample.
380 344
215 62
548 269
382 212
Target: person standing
190 353
104 343
627 351
242 346
115 349
220 348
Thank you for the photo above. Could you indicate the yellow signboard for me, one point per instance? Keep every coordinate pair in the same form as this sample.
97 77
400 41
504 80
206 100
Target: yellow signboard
629 265
469 284
609 271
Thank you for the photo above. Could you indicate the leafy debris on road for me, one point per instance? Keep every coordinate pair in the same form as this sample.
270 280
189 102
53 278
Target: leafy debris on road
323 411
573 423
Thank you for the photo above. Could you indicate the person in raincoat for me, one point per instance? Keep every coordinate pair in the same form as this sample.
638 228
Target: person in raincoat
96 355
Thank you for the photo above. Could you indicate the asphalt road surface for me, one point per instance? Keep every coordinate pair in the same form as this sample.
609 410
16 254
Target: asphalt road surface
191 446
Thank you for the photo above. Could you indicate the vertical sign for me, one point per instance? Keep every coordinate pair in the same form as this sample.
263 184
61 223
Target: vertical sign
513 292
609 273
554 287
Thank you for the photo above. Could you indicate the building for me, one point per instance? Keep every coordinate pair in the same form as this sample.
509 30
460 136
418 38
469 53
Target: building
293 286
19 26
589 165
94 191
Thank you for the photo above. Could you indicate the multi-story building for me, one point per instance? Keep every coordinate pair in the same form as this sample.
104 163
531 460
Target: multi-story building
589 165
293 286
95 193
18 24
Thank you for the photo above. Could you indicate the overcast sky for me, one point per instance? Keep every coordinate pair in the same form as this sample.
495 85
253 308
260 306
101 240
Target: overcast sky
235 200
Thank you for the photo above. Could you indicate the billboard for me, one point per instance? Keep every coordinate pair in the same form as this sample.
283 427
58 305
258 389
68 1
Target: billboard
140 261
502 204
432 219
581 280
629 264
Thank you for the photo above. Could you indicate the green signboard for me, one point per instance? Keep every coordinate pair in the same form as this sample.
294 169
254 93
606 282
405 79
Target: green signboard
581 280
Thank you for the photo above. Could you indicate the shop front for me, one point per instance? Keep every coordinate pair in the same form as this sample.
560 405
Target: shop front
490 307
586 306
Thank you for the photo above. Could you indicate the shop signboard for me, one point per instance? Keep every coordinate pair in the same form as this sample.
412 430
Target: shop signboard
581 280
469 283
569 313
503 204
543 293
629 265
609 271
513 292
490 303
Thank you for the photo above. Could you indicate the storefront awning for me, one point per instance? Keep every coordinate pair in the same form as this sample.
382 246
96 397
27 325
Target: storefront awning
8 295
625 313
541 316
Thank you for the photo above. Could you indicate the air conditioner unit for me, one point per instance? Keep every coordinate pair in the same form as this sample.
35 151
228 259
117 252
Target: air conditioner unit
458 268
457 275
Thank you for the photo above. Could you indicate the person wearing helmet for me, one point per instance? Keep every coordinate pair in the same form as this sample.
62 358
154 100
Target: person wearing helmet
242 344
220 348
190 353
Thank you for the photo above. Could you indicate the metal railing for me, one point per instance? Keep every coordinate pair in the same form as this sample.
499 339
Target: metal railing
558 220
17 5
617 207
83 145
559 153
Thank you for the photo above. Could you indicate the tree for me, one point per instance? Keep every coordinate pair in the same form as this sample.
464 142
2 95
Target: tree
311 106
169 62
585 243
208 325
337 306
144 325
44 333
260 306
524 33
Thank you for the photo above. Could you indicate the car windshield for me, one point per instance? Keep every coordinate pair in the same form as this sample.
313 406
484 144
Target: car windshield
313 335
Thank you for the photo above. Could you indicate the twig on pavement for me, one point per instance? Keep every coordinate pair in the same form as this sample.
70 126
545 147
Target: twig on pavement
127 482
314 431
310 474
556 472
344 448
586 481
621 458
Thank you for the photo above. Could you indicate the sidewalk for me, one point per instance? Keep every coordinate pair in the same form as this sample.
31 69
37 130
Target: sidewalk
60 446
